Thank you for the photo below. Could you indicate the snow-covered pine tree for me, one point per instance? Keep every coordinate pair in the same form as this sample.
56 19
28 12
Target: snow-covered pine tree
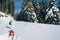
27 12
37 9
52 13
43 9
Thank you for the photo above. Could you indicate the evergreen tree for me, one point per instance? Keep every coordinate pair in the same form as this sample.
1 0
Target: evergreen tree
3 5
52 13
27 12
7 6
37 10
43 7
0 5
11 7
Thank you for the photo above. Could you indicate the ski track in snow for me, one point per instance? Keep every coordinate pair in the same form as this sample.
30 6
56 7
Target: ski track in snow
29 31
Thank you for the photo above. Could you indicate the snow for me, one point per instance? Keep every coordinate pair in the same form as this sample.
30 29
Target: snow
4 21
29 31
34 31
4 37
1 13
50 13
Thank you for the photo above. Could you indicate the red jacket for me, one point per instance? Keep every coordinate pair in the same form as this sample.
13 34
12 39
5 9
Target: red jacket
11 33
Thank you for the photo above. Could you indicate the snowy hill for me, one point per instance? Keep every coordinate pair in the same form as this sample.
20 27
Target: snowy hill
29 31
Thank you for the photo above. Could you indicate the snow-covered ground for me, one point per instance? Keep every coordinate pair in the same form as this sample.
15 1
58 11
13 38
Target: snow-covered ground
4 37
29 31
34 31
